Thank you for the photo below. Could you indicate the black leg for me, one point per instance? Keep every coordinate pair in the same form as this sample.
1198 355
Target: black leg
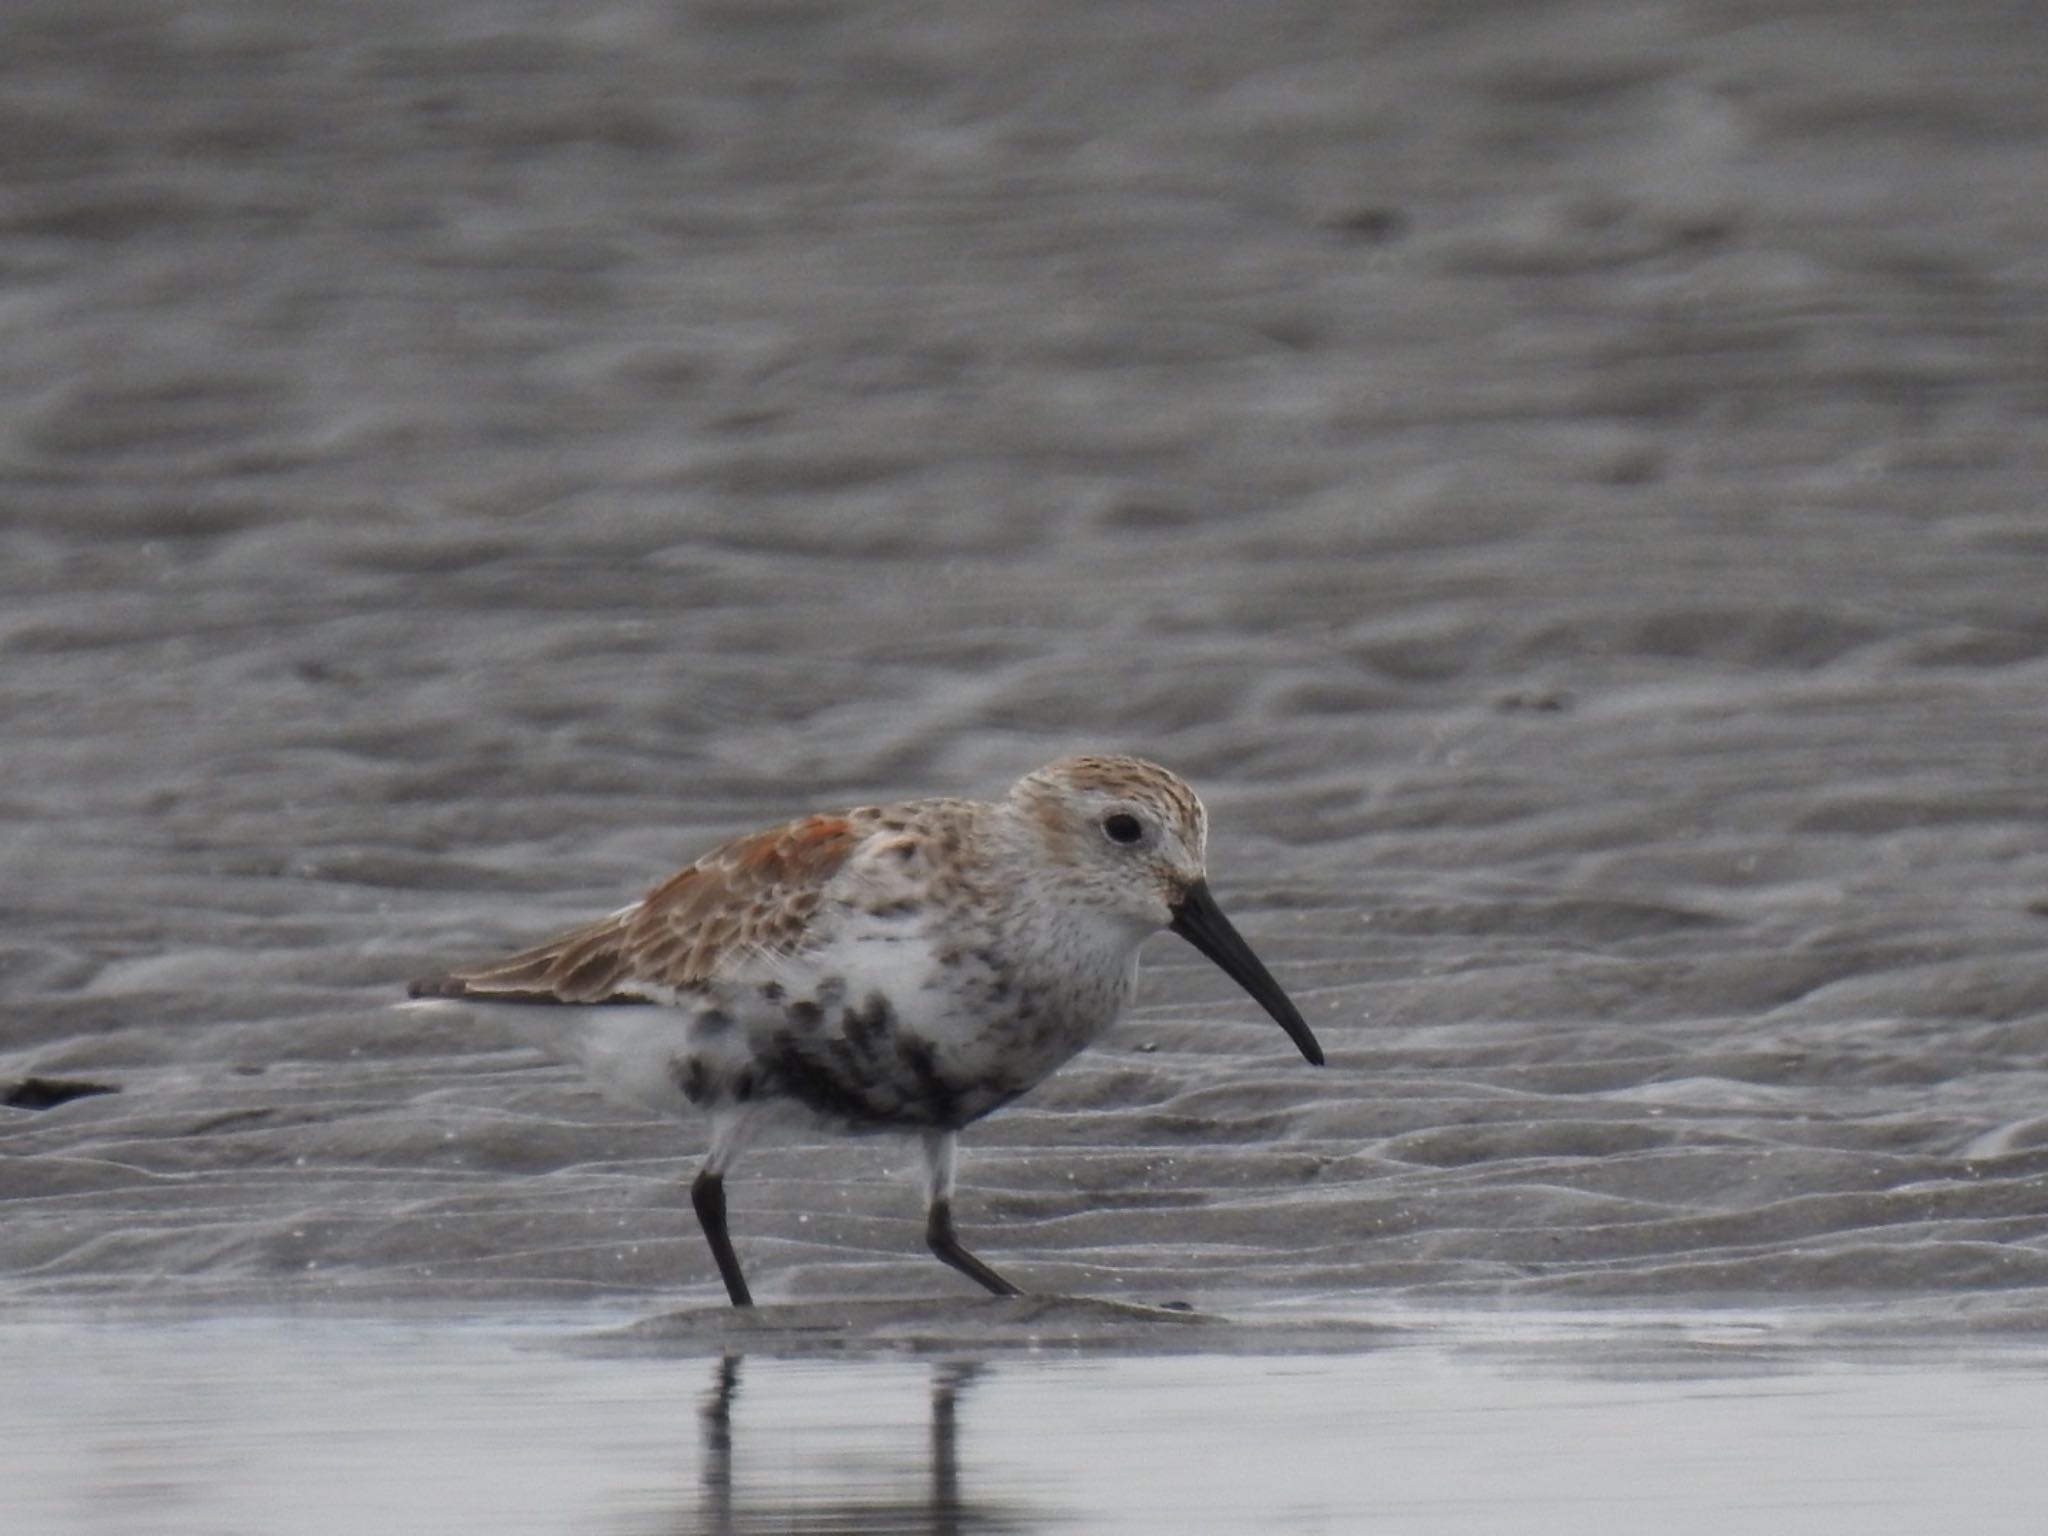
708 1196
938 1235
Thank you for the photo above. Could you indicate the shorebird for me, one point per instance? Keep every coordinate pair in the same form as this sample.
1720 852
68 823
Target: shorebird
909 967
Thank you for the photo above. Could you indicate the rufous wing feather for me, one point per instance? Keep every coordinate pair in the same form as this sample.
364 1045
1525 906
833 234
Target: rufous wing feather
754 895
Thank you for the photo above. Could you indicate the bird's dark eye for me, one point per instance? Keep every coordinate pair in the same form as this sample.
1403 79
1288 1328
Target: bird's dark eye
1122 827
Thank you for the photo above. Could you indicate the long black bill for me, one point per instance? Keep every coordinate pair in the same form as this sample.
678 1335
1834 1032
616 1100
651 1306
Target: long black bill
1201 922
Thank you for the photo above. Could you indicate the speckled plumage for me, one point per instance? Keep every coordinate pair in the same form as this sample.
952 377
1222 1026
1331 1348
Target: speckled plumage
906 967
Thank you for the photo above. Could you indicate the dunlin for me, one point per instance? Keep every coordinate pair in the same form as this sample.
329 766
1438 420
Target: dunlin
906 967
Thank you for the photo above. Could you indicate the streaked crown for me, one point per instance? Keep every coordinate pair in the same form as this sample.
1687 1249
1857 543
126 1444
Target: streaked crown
1123 834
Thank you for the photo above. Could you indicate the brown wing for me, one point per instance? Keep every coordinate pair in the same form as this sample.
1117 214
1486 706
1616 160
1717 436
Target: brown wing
756 893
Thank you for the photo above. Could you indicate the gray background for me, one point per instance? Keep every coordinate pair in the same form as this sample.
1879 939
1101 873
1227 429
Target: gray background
1562 479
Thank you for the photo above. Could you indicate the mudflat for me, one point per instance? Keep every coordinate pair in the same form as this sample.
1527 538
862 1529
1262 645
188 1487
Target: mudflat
1564 482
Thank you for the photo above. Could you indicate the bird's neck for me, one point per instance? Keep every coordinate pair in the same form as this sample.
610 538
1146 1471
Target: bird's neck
1071 945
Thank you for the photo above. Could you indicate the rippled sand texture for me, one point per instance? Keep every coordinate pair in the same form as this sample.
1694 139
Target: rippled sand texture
1565 480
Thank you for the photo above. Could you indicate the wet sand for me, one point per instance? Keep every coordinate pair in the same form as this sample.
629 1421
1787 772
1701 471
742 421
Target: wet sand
1563 480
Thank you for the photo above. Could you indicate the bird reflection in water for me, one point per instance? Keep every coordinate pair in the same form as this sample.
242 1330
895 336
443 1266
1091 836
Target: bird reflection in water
886 1504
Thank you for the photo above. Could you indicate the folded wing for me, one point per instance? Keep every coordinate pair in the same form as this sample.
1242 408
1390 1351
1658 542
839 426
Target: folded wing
752 897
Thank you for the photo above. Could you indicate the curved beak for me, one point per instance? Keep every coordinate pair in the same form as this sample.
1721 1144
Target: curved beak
1198 919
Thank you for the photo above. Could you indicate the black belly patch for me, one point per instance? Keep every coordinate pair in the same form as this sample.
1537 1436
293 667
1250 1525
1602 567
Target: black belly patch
696 1081
868 1071
692 1078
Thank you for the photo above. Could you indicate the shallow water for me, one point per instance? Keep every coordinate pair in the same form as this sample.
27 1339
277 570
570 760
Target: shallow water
311 1427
